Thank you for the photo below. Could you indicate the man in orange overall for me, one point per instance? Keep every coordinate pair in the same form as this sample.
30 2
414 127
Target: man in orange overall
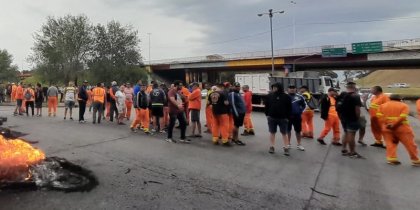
142 110
393 116
377 100
129 96
220 106
330 116
418 108
13 95
308 114
209 112
249 127
52 94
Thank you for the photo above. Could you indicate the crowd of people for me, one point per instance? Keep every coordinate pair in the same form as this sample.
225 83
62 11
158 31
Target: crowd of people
228 107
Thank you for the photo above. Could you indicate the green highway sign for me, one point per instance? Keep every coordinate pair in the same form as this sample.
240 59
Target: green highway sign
367 47
334 52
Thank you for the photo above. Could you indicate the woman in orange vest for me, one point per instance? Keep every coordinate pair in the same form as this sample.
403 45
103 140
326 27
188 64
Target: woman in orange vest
13 95
29 96
209 111
377 100
392 117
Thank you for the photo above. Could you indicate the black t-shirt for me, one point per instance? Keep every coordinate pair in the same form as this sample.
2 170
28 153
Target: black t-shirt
217 100
350 101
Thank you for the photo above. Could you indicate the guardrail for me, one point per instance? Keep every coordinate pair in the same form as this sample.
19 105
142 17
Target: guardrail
393 45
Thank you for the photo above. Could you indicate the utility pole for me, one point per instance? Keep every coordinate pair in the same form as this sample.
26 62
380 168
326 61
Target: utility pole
270 15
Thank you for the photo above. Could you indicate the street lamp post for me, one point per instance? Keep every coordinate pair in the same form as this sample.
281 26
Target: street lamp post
294 26
270 15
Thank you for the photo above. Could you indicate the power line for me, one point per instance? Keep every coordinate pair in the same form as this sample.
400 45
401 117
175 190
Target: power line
312 23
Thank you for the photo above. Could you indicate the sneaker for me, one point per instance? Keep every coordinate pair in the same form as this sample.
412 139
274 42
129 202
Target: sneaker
344 152
337 144
362 143
289 146
252 133
394 162
227 144
321 141
216 142
133 129
162 131
415 163
286 151
64 118
356 155
153 131
245 133
239 142
380 145
271 150
187 141
71 118
170 140
300 147
198 136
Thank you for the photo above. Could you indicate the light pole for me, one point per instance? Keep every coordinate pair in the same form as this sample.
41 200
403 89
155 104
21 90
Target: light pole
149 49
270 15
294 27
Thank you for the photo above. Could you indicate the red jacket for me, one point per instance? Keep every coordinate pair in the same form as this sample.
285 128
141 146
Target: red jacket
248 101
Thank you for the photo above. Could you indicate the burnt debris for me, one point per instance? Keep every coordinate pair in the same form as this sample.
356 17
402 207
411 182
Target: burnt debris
56 173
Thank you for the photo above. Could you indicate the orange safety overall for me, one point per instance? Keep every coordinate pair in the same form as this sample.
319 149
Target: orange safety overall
307 119
395 114
248 125
219 128
333 122
418 108
52 105
142 118
374 123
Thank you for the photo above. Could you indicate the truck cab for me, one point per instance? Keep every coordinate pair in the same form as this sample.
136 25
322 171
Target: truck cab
260 84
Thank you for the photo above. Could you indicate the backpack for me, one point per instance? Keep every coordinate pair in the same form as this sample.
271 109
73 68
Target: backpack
311 103
28 95
340 105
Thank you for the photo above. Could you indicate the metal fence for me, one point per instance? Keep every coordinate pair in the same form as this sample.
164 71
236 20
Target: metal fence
394 45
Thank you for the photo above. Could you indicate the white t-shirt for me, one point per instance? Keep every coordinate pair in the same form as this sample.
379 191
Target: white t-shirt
120 97
70 93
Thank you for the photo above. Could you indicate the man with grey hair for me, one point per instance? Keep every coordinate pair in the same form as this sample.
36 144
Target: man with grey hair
69 100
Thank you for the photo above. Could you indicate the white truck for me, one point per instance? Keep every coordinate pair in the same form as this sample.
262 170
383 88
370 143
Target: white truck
260 84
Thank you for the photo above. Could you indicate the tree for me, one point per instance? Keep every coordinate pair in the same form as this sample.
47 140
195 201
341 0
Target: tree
62 47
116 55
8 72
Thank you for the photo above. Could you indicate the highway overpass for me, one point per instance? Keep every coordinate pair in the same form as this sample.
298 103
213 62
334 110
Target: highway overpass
391 55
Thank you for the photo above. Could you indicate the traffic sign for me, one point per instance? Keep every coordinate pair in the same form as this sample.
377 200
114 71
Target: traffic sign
367 47
334 52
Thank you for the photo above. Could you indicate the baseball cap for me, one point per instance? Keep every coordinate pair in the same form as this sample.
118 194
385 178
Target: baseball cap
237 84
332 89
113 83
292 86
85 81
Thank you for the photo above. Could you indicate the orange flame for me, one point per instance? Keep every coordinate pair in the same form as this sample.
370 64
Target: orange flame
16 156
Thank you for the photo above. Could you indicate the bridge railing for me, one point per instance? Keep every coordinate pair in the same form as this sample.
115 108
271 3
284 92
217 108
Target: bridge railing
393 45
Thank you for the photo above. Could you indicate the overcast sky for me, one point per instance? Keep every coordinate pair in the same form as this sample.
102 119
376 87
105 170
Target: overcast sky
184 28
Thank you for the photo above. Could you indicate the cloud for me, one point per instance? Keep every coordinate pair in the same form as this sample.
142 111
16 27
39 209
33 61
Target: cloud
185 28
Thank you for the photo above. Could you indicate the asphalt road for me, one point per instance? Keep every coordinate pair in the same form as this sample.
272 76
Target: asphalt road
203 176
